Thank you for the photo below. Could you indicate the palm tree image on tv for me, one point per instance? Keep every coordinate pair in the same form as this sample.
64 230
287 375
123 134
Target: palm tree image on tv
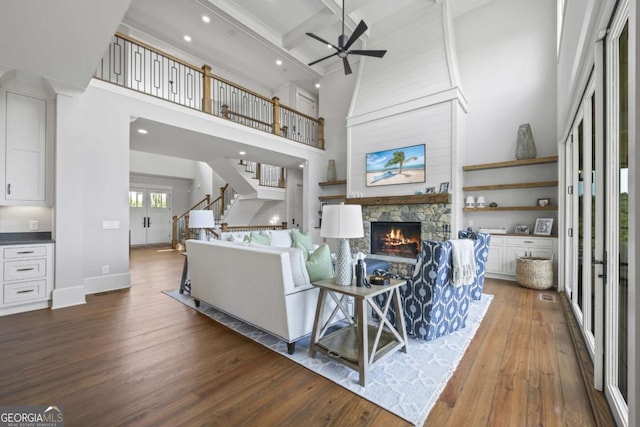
399 158
396 166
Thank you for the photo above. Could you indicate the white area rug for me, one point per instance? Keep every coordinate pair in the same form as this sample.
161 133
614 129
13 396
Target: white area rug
407 384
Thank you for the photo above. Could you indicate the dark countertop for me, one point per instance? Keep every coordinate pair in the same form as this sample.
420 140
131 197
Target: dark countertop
26 238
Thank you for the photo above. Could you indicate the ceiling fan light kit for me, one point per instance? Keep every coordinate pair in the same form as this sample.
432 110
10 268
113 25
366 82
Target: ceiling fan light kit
344 43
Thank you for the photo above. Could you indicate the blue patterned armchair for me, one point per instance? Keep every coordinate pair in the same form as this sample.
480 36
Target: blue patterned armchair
433 306
480 251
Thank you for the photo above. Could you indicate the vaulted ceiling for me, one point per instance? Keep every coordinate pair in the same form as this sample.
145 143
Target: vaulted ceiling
246 37
63 40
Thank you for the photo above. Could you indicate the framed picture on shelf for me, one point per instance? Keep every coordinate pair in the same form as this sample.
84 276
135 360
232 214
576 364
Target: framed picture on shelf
544 202
403 165
444 187
543 227
522 229
430 190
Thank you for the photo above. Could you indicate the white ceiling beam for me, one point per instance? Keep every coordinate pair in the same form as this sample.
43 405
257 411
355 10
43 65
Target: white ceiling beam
321 19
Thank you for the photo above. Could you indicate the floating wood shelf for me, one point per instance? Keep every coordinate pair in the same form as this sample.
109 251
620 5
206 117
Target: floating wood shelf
498 165
413 199
511 186
512 208
328 183
334 197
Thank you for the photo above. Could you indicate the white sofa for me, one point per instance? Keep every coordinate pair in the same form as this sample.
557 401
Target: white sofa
255 284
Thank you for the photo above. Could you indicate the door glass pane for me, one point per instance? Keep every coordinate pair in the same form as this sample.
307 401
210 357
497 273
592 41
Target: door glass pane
136 199
158 200
581 191
623 214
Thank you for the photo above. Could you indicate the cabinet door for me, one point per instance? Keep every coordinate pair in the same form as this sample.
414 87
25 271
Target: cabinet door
495 259
541 252
512 254
25 148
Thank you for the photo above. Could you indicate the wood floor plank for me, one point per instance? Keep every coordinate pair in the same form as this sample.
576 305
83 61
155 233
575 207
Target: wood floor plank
136 357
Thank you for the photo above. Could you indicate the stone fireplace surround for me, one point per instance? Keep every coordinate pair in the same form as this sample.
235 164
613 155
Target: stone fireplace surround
432 211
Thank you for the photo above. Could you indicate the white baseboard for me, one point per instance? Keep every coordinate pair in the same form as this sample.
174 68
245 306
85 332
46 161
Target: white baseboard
20 308
67 297
112 282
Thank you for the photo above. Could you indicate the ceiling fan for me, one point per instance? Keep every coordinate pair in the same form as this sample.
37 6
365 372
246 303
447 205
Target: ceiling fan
344 43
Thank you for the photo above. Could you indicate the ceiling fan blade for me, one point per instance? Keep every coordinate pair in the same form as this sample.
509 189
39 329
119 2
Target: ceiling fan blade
322 59
347 67
320 39
376 53
360 29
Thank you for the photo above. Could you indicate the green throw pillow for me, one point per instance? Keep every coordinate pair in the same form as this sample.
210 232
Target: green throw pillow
260 238
303 249
319 264
303 238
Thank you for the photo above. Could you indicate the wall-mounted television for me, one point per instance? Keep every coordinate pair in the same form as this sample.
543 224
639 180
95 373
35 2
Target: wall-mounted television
404 165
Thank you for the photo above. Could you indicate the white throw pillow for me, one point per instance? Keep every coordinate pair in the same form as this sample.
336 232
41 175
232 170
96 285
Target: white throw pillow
298 267
280 238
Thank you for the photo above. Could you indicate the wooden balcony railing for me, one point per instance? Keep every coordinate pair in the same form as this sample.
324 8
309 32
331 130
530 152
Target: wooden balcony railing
135 65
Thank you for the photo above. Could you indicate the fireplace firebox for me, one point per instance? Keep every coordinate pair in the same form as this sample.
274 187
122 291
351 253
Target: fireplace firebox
399 239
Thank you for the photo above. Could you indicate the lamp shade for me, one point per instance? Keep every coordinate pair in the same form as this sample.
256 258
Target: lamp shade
201 219
342 221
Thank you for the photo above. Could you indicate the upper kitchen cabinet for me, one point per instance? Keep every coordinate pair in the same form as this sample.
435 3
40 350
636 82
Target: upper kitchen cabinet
26 142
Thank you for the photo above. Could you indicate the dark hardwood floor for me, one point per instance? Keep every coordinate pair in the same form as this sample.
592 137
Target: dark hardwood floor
137 357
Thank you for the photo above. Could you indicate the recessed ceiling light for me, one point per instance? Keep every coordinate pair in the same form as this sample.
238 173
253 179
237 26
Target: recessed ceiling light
301 165
242 153
278 62
143 131
187 38
206 19
317 85
329 46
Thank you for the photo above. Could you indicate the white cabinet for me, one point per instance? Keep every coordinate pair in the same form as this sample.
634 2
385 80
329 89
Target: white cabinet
495 259
505 250
24 135
27 277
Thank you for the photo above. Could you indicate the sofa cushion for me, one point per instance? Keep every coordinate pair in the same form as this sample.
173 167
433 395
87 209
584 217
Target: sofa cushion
281 238
298 266
303 238
319 264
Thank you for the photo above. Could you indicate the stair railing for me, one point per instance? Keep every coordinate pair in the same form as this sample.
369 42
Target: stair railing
180 223
267 175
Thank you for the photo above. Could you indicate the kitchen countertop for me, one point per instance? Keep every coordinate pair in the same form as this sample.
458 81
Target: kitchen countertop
26 238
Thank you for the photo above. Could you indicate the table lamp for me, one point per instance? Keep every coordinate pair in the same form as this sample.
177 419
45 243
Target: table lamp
201 219
342 222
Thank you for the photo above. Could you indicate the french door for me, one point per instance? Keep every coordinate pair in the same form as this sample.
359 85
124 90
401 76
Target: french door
616 238
149 215
597 210
584 277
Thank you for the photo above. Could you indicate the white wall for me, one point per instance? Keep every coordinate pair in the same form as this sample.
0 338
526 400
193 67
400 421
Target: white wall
506 53
431 126
416 62
203 183
336 91
156 164
15 219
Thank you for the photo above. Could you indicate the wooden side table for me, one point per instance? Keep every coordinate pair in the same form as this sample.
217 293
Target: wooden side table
359 345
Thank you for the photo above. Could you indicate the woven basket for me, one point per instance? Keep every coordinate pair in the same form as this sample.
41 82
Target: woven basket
534 273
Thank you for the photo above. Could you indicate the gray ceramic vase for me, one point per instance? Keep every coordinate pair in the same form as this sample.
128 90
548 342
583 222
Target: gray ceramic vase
526 148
